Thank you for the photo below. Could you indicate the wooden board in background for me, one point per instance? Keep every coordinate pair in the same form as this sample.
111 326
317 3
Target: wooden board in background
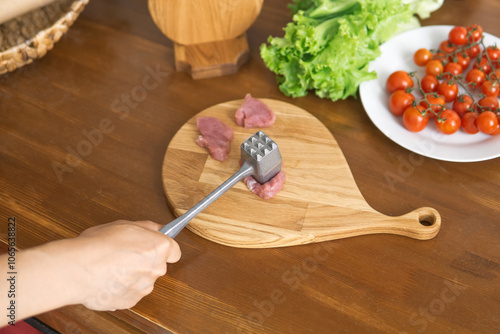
320 200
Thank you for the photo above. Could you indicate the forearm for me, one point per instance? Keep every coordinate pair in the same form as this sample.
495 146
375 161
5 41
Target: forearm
107 267
45 280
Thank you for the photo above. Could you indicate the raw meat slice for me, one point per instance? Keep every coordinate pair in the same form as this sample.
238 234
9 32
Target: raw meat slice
216 136
254 113
268 189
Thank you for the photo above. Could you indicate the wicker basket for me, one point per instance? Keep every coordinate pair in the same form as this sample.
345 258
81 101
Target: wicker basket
30 36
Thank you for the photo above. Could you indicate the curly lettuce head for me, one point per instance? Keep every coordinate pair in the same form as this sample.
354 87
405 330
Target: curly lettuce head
329 44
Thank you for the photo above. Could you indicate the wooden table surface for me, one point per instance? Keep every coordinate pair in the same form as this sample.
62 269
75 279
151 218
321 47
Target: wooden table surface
367 284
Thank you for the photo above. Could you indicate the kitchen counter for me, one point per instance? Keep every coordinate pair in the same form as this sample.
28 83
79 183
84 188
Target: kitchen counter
378 283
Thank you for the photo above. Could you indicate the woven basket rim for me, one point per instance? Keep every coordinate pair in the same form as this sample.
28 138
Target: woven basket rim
37 46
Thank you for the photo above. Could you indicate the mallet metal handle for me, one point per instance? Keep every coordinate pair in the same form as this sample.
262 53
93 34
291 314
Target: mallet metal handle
175 226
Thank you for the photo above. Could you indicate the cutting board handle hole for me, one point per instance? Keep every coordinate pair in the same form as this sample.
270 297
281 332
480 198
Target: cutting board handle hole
427 217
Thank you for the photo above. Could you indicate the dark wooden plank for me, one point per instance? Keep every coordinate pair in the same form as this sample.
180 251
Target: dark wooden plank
375 284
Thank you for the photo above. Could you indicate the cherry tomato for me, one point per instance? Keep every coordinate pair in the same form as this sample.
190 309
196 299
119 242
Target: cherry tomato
398 80
437 103
487 122
493 52
483 65
475 32
469 122
462 60
473 50
422 56
490 88
452 69
429 83
446 47
399 101
414 118
448 122
497 131
475 78
488 103
458 35
434 66
448 89
495 75
439 55
463 104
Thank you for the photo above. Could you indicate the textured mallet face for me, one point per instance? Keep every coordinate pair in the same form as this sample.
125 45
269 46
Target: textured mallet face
263 154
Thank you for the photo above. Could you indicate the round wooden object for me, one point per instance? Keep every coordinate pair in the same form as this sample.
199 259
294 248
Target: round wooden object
320 200
202 21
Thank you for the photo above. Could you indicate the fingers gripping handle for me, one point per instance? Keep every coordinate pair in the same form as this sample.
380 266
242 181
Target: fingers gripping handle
174 227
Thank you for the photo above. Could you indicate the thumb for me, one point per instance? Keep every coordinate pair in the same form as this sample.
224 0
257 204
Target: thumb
149 225
174 253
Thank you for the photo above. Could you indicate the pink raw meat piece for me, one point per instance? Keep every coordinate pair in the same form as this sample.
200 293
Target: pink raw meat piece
268 189
216 136
254 113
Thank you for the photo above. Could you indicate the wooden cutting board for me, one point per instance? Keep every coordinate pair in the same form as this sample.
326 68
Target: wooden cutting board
320 200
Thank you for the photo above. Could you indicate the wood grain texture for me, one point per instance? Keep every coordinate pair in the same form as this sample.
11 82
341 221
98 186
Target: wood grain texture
208 60
368 284
319 202
79 319
69 320
202 21
209 35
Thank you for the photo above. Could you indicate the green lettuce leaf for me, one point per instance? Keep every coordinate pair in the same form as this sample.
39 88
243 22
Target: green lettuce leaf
424 8
329 44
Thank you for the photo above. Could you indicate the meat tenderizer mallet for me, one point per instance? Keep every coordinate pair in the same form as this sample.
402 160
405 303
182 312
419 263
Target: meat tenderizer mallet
261 159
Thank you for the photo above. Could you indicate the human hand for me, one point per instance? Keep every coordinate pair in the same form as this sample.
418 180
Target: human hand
120 262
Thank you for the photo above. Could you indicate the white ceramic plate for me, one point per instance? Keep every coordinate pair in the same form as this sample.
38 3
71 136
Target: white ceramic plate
397 54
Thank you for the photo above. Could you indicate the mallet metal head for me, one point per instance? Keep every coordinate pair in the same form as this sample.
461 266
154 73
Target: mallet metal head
260 158
262 153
